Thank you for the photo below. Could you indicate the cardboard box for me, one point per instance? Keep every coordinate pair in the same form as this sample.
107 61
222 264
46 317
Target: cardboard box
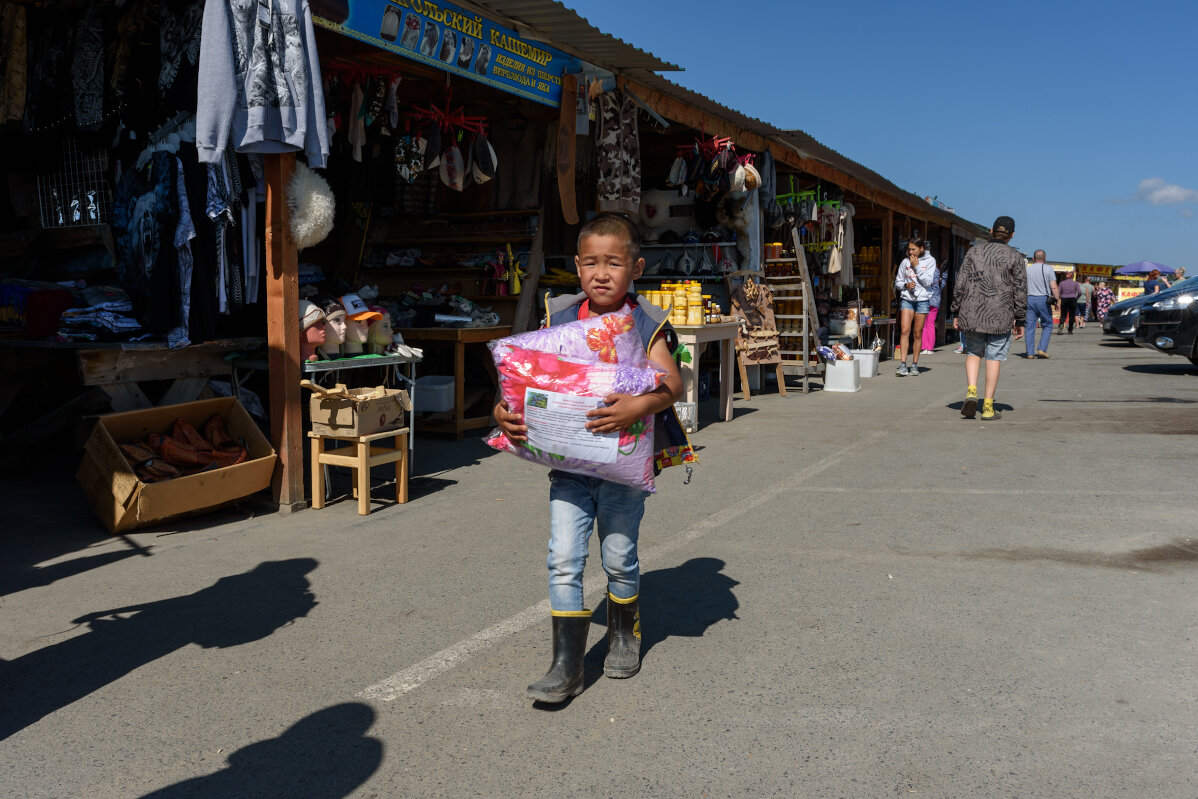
351 416
123 502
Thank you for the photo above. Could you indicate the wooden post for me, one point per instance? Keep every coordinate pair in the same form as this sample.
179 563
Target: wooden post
526 307
282 336
887 266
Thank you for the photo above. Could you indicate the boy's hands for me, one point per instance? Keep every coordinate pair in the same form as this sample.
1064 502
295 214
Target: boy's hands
511 423
620 412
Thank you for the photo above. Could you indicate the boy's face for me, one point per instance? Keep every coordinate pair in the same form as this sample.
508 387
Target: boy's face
606 270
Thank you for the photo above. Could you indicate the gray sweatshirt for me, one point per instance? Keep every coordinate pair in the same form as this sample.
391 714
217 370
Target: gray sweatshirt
260 84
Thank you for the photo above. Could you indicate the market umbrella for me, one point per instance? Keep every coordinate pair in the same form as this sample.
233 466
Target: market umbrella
1143 268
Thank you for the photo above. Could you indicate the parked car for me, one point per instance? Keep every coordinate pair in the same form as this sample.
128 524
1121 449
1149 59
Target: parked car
1169 322
1123 316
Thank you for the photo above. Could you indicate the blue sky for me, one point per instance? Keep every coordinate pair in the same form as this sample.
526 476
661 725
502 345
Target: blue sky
1080 120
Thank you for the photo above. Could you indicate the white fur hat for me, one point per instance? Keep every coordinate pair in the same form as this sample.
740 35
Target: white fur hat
310 200
655 208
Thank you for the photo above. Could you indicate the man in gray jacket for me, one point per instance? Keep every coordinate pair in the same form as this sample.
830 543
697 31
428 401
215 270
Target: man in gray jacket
989 305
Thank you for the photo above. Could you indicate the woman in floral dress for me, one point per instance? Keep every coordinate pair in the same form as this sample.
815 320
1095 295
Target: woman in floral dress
1104 297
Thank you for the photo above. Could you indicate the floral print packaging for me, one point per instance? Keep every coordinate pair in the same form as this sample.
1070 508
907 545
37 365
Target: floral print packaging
589 358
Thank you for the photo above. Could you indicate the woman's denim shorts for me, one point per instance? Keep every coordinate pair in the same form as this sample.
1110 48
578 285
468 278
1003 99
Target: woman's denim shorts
919 306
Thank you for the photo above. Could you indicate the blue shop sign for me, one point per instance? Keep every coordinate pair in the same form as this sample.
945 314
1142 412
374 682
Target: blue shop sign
444 36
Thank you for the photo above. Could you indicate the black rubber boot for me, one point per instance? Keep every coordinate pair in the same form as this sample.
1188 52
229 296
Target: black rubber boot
623 637
564 678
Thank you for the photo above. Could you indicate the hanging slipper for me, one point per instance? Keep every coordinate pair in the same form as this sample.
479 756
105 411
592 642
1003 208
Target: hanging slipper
752 177
485 162
453 168
686 264
432 147
677 176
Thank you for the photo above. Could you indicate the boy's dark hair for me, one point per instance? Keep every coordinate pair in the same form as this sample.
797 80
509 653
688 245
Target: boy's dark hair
611 224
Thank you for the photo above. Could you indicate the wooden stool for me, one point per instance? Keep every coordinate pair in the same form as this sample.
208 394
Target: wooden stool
365 454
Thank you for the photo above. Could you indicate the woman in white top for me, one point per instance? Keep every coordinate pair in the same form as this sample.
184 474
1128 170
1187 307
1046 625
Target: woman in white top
916 276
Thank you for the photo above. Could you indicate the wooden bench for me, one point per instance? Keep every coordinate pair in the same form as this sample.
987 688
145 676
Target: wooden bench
359 454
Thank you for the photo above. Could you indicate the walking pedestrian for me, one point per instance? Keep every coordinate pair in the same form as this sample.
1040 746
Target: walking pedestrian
1085 299
989 303
1068 291
1042 297
1154 283
608 262
914 281
1104 298
929 324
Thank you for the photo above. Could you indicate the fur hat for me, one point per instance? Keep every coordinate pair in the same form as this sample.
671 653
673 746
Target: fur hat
655 208
310 200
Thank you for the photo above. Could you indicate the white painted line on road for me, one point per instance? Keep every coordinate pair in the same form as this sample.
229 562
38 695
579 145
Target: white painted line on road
414 676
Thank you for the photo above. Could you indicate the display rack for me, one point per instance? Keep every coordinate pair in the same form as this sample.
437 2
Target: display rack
794 313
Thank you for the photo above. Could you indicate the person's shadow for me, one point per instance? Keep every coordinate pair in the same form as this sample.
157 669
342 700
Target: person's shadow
684 600
326 755
234 610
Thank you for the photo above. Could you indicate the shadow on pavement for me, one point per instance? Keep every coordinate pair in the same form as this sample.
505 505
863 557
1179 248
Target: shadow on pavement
1180 552
1171 367
232 611
326 755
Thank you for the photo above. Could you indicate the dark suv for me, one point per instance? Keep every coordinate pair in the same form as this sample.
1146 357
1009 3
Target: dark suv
1169 323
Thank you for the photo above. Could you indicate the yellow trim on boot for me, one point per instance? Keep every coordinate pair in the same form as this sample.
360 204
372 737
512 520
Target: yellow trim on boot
570 614
619 601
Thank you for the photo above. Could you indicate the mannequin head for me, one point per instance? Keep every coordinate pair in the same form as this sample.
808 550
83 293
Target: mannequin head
357 323
312 333
334 325
380 333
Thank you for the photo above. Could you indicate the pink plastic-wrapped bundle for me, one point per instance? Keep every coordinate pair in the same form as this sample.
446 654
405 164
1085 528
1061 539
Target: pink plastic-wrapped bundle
551 377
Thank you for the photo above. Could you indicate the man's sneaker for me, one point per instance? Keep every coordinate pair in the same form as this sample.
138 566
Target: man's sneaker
988 411
912 371
901 371
1041 354
959 350
969 407
926 352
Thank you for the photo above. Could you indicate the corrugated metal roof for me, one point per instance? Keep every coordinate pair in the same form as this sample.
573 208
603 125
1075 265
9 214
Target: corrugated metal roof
565 29
808 145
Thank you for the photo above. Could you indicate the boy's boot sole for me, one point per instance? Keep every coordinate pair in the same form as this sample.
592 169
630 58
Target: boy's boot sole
565 676
969 407
623 637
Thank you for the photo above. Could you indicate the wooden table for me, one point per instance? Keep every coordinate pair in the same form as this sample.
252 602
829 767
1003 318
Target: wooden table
696 338
110 374
459 337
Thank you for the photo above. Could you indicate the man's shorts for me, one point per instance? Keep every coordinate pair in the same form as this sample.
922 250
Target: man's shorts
991 346
918 306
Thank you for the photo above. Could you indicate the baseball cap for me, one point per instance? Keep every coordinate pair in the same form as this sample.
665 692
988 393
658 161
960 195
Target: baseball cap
1004 224
357 310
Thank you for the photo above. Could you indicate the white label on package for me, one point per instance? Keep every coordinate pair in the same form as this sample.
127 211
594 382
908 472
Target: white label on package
557 424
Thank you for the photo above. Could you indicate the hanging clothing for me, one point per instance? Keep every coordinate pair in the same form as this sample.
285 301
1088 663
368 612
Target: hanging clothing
201 322
184 232
87 70
179 28
357 122
260 86
143 211
13 62
618 144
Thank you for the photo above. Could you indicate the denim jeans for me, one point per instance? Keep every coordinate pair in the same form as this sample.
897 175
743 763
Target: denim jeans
578 505
1037 309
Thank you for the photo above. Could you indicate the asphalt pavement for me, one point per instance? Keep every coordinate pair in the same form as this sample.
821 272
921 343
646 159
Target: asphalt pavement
857 595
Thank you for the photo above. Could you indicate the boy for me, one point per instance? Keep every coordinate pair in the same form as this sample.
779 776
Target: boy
608 262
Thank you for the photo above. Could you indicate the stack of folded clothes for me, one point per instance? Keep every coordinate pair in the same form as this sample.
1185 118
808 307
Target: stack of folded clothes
105 321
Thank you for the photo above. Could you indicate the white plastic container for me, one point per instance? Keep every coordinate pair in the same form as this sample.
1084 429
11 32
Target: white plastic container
434 393
844 376
869 362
